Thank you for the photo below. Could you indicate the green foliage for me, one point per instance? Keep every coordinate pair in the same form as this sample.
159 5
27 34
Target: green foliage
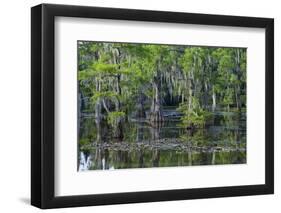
193 116
84 144
84 141
106 94
113 117
119 73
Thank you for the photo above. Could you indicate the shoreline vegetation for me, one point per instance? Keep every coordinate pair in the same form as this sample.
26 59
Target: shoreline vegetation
130 93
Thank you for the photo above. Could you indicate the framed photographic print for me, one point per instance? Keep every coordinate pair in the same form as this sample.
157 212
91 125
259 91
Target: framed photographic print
139 106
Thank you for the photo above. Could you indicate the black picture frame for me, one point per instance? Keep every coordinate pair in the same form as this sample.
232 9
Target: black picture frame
43 105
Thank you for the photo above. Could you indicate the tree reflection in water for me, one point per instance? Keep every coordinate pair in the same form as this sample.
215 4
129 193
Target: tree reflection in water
223 141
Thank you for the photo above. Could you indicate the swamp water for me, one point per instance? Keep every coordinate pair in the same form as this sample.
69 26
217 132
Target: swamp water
222 141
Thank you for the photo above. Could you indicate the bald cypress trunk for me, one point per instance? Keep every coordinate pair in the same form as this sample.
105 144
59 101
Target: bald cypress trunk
156 114
118 129
140 106
238 73
98 112
79 110
214 100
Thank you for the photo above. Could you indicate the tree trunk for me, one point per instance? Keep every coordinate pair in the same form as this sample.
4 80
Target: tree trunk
189 157
118 129
141 158
79 110
189 95
214 100
140 131
237 97
140 106
206 95
237 87
155 133
156 114
155 158
213 158
98 113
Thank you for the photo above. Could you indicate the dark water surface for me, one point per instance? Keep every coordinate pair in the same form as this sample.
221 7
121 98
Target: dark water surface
223 141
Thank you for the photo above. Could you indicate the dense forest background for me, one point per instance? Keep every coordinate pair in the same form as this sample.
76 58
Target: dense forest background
119 82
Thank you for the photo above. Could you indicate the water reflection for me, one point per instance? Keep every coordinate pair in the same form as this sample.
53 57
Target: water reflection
223 141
